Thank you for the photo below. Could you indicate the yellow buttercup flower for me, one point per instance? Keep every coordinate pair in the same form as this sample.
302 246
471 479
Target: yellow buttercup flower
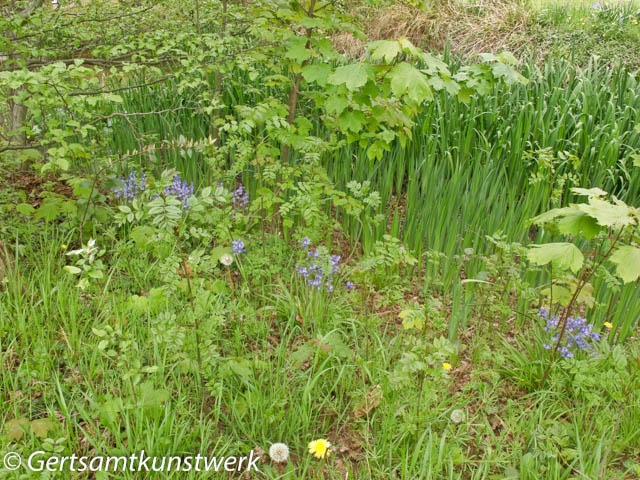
446 366
320 448
63 246
608 324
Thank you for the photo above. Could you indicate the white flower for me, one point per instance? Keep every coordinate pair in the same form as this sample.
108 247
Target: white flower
457 416
279 452
226 259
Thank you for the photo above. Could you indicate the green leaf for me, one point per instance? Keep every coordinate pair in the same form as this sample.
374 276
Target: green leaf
15 428
297 49
335 104
41 427
351 121
72 270
565 256
408 80
627 261
578 223
318 73
25 209
385 49
354 76
608 214
590 192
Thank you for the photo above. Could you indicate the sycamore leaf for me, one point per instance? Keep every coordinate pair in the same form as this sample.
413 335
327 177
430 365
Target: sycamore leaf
318 73
578 223
335 104
352 121
551 215
608 214
297 50
589 192
354 75
408 80
385 49
565 256
627 261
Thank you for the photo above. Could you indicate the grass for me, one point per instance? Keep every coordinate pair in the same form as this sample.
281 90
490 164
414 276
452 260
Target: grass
262 390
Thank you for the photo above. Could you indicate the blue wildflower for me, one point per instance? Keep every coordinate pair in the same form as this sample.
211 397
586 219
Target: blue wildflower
180 189
237 247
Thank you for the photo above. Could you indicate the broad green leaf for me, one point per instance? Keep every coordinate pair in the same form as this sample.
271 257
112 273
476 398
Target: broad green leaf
578 223
335 104
627 261
25 208
41 427
608 214
408 80
354 76
590 192
565 256
552 214
351 120
385 49
318 73
72 270
297 49
15 428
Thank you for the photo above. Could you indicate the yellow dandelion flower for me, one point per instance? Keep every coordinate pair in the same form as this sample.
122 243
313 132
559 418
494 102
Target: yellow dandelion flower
320 448
608 324
446 366
63 246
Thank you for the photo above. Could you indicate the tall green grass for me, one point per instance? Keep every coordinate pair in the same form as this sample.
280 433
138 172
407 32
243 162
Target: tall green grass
465 174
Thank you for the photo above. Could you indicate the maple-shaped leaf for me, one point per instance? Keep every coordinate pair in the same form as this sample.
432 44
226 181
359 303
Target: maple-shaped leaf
565 256
386 50
627 261
608 214
408 80
318 73
354 76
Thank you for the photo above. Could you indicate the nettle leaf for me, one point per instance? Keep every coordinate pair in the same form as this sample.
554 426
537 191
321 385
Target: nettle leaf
354 76
608 214
318 73
627 261
565 256
408 80
385 49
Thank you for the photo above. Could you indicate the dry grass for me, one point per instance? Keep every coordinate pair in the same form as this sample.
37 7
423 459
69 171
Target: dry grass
484 26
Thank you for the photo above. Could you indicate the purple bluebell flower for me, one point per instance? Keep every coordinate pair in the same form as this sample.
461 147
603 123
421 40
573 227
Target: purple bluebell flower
131 188
180 189
578 334
349 285
240 198
305 243
237 247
